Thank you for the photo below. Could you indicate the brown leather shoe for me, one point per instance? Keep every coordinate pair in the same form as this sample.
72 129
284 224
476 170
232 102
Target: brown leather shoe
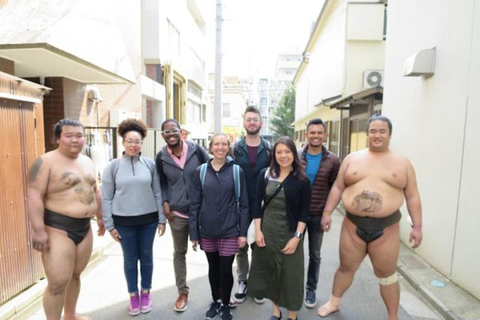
182 303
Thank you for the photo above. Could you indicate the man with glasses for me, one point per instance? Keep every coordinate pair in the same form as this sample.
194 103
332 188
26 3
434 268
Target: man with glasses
322 167
176 164
252 153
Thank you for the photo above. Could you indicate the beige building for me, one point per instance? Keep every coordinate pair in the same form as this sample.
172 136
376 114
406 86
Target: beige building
433 99
175 49
340 78
235 98
98 62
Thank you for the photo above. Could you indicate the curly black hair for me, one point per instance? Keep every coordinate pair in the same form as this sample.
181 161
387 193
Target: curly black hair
128 125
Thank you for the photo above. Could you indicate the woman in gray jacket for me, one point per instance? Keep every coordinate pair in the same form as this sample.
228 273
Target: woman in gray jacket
132 211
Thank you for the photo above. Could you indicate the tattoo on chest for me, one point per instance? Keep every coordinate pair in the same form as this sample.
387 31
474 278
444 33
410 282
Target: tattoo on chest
70 178
84 193
367 201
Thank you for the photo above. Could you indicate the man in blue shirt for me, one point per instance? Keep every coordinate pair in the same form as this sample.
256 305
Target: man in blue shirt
322 168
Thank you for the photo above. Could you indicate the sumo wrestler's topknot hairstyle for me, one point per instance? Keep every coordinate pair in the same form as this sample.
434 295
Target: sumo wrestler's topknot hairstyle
132 125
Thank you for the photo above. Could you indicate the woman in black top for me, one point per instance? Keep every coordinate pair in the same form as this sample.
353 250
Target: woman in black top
280 212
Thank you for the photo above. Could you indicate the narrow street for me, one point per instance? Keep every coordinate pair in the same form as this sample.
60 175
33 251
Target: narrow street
103 295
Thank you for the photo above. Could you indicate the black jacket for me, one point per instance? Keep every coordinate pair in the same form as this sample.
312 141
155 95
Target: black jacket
297 199
240 156
214 212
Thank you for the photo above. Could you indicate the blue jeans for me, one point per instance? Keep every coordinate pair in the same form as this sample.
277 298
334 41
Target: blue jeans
137 245
315 238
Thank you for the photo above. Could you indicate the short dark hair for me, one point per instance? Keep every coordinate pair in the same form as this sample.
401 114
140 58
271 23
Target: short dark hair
132 125
252 109
57 129
171 120
379 117
316 121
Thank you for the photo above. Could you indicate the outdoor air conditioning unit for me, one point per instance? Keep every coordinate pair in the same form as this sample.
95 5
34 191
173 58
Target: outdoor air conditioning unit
372 78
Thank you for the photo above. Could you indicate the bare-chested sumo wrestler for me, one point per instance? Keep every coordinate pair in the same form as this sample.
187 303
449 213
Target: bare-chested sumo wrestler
372 185
62 198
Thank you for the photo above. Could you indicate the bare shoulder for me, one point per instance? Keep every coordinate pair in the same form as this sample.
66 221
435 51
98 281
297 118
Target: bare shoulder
84 159
400 158
357 155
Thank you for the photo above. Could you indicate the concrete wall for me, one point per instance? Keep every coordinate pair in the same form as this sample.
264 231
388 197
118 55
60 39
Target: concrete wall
435 123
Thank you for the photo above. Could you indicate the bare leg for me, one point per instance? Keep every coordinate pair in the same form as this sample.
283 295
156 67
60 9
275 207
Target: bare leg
384 253
83 253
292 314
58 263
276 310
352 252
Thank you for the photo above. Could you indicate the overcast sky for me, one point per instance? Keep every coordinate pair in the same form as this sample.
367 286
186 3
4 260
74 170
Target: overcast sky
256 31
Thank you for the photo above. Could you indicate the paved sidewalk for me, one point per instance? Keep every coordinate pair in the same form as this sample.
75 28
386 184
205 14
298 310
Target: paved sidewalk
450 301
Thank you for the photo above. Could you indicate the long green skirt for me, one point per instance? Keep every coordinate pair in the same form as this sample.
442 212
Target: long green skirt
274 275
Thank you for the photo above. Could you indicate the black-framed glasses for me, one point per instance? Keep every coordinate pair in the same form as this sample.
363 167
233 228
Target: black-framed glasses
169 132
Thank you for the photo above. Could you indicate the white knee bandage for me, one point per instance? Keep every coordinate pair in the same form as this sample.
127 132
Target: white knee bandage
388 280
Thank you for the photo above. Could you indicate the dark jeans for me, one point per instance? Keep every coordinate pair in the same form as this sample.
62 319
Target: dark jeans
315 238
137 245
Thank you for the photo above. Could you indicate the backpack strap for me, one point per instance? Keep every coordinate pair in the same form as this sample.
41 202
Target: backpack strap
199 153
236 180
203 172
268 149
115 166
159 163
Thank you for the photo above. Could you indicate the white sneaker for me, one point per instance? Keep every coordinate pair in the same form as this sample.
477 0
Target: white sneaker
241 294
259 300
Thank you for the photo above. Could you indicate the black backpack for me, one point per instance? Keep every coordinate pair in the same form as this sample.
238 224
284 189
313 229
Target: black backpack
198 152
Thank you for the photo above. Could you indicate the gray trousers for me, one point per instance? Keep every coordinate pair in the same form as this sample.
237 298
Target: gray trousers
242 263
179 230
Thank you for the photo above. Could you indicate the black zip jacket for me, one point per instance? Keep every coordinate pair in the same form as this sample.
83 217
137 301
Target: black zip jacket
214 212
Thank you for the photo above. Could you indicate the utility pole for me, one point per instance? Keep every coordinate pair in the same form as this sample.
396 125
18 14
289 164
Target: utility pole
217 114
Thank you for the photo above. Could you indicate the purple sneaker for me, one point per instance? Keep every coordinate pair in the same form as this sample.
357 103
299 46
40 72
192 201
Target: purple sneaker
146 301
134 306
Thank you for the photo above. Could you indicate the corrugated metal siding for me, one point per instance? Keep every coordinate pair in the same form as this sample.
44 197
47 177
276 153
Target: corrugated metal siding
20 267
34 146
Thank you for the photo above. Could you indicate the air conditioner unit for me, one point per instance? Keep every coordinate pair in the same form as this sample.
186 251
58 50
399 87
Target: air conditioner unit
372 78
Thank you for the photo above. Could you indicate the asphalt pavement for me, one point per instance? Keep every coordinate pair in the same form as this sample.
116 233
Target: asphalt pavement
104 296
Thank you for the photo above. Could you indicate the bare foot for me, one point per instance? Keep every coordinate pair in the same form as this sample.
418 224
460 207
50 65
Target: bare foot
333 305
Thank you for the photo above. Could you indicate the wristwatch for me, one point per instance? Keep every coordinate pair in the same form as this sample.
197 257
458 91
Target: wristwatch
299 235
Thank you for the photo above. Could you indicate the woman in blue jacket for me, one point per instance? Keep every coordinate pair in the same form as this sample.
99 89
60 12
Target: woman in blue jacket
218 220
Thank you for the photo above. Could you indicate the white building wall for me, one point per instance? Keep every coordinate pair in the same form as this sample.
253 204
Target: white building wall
361 56
324 75
435 123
